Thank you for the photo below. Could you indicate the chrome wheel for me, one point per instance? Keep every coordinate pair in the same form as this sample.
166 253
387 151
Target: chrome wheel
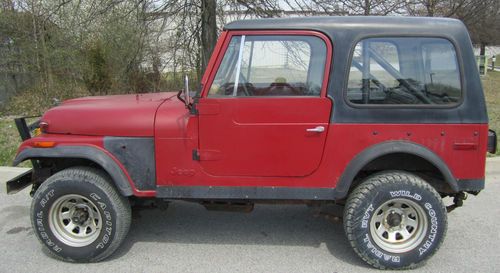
398 225
75 220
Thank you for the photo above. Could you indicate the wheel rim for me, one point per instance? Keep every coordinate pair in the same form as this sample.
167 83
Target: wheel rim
398 225
75 220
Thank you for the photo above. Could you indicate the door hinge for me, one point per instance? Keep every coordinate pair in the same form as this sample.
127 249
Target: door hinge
196 155
206 155
193 110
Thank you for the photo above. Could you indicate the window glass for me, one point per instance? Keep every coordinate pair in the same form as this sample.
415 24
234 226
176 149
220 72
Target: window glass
225 74
271 66
404 71
441 70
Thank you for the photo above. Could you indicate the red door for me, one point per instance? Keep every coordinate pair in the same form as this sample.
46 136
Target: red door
262 136
265 113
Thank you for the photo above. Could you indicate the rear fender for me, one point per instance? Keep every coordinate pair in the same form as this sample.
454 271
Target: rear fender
390 147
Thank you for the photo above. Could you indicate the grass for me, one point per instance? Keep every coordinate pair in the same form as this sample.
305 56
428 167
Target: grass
10 140
491 85
30 103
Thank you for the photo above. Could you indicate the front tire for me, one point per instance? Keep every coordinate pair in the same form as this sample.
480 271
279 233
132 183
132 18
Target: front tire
78 215
395 220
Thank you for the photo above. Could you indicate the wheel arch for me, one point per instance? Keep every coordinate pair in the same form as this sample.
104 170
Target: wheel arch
85 153
388 149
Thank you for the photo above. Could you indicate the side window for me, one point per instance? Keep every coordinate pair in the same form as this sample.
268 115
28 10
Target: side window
395 71
271 66
442 76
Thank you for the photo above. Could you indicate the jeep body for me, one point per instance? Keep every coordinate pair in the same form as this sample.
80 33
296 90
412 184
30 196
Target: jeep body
302 109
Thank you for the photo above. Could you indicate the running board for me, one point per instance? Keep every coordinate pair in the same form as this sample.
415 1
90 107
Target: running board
246 193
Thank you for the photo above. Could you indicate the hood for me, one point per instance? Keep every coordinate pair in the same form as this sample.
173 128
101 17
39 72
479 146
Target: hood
120 115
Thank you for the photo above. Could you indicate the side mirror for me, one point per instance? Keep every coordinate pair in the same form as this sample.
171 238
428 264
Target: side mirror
187 98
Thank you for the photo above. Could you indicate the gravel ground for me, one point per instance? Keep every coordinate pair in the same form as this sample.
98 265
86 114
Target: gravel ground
188 238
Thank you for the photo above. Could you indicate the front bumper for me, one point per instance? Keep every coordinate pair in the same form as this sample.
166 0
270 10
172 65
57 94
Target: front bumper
26 178
20 182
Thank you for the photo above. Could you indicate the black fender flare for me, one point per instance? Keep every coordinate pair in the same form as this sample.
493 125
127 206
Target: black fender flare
84 152
390 147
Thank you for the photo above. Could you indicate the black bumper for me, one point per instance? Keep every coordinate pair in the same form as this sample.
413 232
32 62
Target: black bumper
25 129
20 182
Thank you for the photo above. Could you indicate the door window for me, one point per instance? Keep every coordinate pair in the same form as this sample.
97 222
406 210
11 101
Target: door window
271 66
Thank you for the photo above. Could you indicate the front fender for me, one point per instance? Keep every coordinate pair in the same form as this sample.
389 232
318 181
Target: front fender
93 154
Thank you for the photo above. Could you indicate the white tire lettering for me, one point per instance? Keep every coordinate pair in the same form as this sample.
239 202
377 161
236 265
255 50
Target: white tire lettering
433 232
46 198
109 226
95 196
366 216
102 205
41 229
378 253
405 193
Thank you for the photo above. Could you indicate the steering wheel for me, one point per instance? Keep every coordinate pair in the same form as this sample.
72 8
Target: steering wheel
280 89
247 89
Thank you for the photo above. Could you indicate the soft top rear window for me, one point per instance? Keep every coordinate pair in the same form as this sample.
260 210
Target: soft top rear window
404 71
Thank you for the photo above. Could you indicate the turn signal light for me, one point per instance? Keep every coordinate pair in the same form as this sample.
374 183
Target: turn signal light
44 144
37 132
43 126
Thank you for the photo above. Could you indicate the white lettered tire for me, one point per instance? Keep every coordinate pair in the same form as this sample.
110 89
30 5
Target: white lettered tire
79 216
395 220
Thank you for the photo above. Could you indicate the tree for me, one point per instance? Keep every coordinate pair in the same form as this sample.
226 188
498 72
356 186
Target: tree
482 17
109 46
483 21
371 7
208 30
97 79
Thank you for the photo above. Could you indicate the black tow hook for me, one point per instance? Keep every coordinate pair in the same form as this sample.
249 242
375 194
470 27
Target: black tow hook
458 201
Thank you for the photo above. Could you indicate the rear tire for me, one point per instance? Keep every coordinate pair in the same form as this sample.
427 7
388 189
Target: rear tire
78 215
395 220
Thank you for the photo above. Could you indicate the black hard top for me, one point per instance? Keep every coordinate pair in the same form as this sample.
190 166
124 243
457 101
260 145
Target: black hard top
331 24
346 31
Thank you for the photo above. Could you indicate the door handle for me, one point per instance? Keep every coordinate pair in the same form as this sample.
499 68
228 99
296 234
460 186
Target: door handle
318 129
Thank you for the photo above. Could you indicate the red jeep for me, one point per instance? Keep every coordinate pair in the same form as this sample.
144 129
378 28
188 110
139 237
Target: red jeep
385 116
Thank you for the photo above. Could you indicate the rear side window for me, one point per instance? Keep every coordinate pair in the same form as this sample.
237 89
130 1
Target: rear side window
395 71
266 65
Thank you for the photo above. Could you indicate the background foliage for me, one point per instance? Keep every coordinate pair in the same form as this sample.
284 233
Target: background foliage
59 49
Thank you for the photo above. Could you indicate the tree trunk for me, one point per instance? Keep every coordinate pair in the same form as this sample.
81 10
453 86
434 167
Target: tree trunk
483 61
47 66
431 8
483 49
35 38
208 31
367 7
